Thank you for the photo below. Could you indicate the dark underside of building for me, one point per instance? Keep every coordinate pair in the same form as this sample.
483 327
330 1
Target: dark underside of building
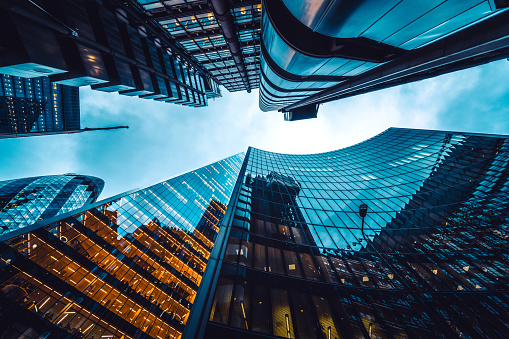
299 55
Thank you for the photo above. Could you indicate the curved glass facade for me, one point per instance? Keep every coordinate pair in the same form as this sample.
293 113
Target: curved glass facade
26 201
277 92
407 24
428 260
403 235
339 41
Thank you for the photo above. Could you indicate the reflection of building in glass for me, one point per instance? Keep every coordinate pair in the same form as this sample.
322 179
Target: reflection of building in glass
26 201
35 107
437 216
128 267
212 217
272 197
288 257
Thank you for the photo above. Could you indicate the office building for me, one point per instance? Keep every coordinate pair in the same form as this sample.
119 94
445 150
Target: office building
298 55
403 235
26 201
222 36
34 106
126 267
106 44
313 53
427 260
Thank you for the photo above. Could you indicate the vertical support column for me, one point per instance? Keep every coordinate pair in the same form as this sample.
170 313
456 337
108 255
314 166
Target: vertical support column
198 316
222 13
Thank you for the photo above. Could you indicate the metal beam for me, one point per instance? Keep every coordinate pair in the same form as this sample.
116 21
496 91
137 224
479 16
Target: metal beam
35 134
226 22
191 9
255 42
200 310
196 35
485 42
210 61
231 66
208 32
137 13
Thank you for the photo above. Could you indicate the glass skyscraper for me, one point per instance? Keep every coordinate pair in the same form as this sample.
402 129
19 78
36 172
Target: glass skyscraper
26 201
222 36
429 260
108 45
403 235
126 267
315 52
34 106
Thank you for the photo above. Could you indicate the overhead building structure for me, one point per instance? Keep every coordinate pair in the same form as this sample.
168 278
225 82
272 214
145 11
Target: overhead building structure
300 54
316 52
106 44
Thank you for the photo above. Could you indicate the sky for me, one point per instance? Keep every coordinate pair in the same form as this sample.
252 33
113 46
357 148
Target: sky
164 140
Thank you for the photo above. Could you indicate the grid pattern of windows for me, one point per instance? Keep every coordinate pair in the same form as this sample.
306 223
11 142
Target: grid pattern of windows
428 259
125 268
33 105
26 201
195 28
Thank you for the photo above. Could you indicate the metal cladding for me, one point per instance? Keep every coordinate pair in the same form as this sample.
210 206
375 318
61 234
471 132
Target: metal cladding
298 54
302 113
225 19
403 235
27 201
334 49
223 36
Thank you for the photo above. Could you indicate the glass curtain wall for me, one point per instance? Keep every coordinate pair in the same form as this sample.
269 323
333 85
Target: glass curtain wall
26 201
128 267
428 260
34 105
194 28
308 47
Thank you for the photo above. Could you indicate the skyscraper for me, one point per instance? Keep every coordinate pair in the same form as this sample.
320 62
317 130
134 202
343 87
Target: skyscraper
106 44
299 55
24 202
403 235
222 36
126 267
428 259
34 106
315 53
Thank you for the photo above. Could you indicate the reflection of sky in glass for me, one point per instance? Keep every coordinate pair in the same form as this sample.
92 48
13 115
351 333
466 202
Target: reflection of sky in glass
181 201
383 172
29 200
